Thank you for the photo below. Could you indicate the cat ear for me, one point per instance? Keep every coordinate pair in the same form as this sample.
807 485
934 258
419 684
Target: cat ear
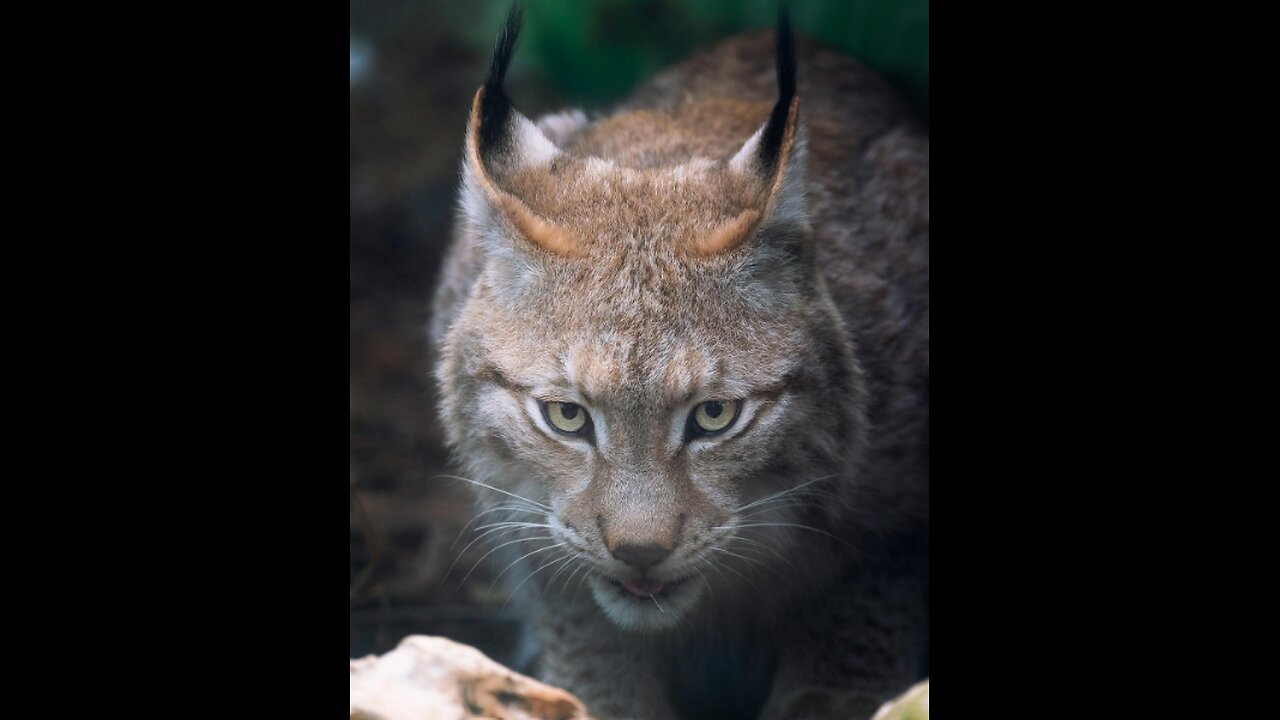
775 155
500 142
773 160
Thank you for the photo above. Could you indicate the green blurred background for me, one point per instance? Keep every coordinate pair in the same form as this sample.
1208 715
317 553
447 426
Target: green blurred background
414 68
595 51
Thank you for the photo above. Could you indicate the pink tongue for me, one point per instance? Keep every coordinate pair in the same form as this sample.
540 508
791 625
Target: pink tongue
644 589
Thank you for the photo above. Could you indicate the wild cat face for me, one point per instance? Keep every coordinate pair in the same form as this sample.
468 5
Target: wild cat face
641 430
647 364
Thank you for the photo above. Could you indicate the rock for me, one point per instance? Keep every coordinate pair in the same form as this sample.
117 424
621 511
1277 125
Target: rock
911 705
430 678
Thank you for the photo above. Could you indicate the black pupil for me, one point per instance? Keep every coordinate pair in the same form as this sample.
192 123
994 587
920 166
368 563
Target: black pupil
713 409
569 411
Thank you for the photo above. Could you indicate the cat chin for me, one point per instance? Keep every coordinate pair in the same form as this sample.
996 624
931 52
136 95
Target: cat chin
663 611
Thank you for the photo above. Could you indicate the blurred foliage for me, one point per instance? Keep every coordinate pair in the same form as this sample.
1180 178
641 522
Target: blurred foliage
595 51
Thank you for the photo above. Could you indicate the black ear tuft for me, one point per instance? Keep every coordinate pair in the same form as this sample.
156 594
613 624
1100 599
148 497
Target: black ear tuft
503 50
771 141
495 107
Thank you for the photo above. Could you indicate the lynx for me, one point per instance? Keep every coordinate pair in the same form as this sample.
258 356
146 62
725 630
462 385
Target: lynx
684 357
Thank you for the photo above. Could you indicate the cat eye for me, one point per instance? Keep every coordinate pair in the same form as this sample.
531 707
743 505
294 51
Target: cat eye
712 417
568 418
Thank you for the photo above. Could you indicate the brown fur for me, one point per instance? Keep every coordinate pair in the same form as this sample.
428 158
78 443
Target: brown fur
648 264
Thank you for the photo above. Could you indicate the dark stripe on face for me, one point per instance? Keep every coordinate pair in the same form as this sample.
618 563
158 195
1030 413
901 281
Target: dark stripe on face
491 374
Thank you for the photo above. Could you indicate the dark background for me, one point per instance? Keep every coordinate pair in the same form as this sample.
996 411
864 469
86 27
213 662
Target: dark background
414 69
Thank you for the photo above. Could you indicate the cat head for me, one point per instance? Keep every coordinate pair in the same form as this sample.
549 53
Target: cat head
648 365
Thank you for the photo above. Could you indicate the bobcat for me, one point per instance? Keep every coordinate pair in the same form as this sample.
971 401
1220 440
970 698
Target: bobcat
684 353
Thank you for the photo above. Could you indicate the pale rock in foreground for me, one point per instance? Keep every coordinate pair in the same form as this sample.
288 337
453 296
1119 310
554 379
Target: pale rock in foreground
912 705
429 678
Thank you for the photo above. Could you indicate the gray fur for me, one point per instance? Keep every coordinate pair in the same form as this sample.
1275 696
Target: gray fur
816 318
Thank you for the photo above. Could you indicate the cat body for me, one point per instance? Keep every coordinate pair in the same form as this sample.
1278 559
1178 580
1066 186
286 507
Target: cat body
685 347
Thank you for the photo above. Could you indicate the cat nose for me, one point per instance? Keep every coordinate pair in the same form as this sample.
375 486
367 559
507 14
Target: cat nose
640 534
641 556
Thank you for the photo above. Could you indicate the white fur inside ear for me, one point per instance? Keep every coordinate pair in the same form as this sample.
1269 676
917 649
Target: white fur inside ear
532 147
741 161
789 199
559 127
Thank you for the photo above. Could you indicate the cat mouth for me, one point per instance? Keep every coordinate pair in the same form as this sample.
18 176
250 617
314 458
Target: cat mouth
642 603
645 587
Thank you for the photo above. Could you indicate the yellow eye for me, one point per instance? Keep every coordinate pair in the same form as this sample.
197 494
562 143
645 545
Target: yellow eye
565 417
715 416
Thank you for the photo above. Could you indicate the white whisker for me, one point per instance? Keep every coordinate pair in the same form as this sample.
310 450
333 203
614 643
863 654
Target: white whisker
779 495
791 525
509 542
514 523
464 550
511 508
710 592
504 492
744 558
735 571
581 564
515 562
551 580
762 546
780 504
561 559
